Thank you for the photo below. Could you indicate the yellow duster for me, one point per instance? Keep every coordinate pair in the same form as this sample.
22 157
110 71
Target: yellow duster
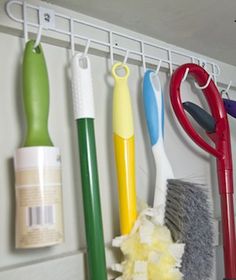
149 251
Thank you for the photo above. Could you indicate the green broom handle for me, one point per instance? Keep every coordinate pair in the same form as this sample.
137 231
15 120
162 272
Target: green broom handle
91 199
84 115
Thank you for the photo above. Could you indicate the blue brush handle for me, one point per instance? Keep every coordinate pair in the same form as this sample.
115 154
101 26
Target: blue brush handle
154 106
154 112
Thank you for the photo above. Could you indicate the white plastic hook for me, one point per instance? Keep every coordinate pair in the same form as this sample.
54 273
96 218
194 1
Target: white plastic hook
158 67
39 35
206 85
126 57
87 47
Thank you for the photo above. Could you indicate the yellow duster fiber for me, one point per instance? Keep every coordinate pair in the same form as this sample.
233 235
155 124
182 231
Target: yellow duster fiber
149 251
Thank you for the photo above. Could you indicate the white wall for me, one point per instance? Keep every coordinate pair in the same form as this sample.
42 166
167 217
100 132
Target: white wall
187 159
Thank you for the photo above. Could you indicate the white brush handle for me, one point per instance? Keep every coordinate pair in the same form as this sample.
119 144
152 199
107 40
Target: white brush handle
154 111
163 173
82 88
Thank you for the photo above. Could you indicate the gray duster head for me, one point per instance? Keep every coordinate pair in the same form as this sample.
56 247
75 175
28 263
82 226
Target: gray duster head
189 218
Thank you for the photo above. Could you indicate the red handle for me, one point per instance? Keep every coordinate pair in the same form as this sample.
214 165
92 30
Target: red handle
222 151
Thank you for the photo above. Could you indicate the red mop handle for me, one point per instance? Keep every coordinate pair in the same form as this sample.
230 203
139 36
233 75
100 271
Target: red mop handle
222 152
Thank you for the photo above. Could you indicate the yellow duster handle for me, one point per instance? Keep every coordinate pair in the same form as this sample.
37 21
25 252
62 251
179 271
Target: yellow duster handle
124 149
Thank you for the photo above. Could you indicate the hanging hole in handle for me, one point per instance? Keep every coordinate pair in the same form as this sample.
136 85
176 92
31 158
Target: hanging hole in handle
37 50
83 62
120 70
155 81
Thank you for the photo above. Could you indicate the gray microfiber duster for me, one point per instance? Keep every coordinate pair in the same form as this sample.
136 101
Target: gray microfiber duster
189 217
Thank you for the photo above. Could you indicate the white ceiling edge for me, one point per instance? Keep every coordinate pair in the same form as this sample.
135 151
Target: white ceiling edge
7 25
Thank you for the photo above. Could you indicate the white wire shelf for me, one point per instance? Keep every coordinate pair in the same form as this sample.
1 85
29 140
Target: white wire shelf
94 36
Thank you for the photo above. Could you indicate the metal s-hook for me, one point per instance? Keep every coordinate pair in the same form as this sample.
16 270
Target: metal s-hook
185 74
39 35
226 91
126 57
25 23
87 47
26 38
206 85
72 42
203 64
143 56
158 67
196 85
72 38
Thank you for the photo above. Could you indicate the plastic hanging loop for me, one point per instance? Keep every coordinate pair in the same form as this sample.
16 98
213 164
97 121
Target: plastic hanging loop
117 66
38 39
158 67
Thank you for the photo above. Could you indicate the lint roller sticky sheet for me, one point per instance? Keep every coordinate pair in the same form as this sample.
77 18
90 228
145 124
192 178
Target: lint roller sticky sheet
123 133
154 112
221 150
39 218
84 114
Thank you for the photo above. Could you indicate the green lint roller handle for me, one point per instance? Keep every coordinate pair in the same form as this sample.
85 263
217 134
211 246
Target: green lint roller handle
36 96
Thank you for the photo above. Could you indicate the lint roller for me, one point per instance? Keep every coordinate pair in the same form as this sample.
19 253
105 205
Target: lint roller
123 131
39 219
84 115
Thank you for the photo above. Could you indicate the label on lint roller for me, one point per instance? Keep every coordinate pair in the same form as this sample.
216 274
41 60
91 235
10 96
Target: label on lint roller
39 218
